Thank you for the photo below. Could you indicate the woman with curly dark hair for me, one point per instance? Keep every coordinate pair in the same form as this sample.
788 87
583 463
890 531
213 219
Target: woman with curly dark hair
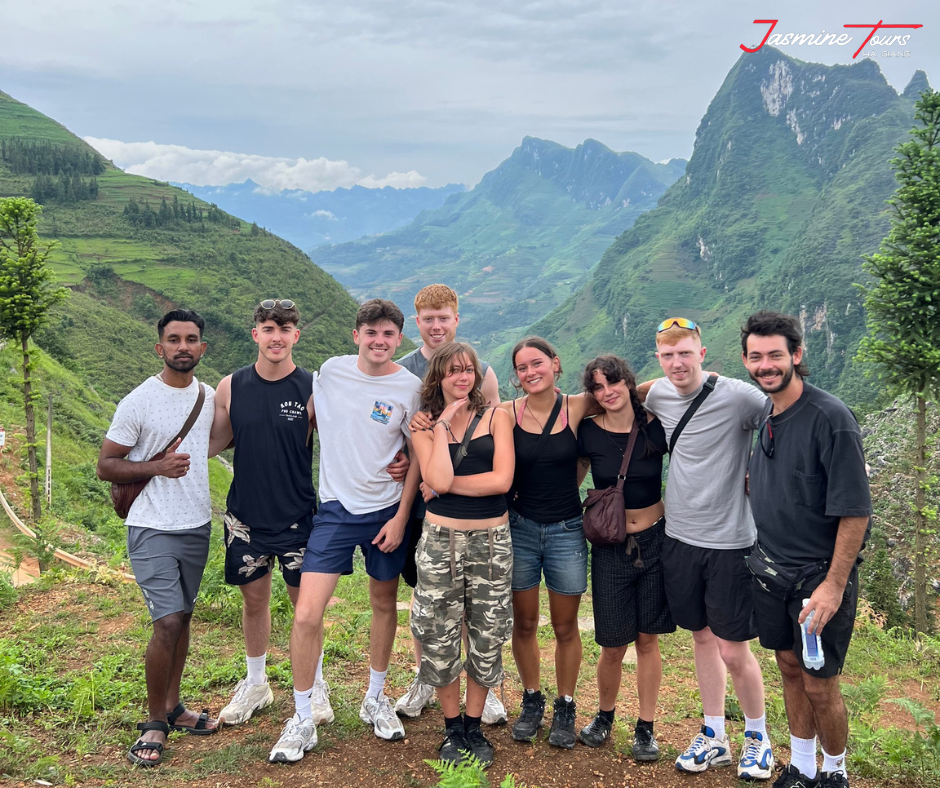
627 579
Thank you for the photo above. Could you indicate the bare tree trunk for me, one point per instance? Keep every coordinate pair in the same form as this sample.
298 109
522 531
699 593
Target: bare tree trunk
920 519
35 500
48 487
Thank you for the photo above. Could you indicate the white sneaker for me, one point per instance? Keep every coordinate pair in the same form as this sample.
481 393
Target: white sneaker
494 712
320 703
299 736
413 702
248 699
757 761
704 752
378 713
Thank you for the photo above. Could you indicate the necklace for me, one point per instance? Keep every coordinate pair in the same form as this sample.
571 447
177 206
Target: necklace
607 433
531 412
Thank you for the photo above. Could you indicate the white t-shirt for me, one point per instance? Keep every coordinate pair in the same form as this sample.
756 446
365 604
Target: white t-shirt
705 501
362 420
147 419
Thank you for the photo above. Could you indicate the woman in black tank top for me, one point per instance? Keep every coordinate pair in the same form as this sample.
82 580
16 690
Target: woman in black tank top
627 579
547 537
464 556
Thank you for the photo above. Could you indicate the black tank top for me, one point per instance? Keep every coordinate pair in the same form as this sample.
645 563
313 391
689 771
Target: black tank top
479 459
273 483
549 491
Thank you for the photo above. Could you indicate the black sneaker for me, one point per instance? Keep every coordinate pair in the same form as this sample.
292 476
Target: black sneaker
596 732
833 780
530 720
480 746
562 733
455 747
645 747
791 777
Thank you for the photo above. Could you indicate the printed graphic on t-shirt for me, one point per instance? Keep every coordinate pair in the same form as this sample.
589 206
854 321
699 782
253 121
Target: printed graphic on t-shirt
293 410
382 412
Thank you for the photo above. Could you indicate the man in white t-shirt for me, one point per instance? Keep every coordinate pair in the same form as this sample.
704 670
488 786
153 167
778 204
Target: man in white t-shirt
363 405
170 521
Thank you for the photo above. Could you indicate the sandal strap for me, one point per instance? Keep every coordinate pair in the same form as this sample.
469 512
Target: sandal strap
154 725
174 715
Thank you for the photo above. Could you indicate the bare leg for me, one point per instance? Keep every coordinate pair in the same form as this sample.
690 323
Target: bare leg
564 613
449 698
832 720
609 673
256 615
745 676
649 674
711 672
476 698
383 594
306 639
525 646
158 667
800 717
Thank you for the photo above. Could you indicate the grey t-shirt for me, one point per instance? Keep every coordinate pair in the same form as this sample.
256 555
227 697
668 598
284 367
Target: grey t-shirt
705 501
417 364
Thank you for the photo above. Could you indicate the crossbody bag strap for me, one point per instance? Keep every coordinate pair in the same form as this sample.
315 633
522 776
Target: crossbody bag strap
468 435
631 442
690 411
191 418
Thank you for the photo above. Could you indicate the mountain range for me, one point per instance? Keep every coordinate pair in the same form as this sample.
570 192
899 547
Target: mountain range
516 245
310 219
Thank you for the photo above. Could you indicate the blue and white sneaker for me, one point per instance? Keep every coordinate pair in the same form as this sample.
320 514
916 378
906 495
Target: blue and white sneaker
705 752
757 761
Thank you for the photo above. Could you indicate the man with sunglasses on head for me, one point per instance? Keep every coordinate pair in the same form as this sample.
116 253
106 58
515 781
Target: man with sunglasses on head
267 409
709 529
811 502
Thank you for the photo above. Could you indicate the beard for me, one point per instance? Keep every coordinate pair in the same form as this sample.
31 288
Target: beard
184 364
784 381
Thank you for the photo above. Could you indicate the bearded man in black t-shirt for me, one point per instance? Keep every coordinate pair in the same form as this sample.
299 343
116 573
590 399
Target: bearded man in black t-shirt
811 504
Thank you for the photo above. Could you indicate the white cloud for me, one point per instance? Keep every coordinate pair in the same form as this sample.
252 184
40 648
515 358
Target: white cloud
326 214
217 168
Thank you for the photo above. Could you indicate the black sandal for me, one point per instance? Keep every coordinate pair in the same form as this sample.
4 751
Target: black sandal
199 729
136 747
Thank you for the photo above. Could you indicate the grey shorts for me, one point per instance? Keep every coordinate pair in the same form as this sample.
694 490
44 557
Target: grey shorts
168 566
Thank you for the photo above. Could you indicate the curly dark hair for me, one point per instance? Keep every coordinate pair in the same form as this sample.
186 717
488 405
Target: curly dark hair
439 367
776 324
616 369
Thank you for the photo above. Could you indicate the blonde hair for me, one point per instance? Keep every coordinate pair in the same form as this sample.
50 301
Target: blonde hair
436 297
674 335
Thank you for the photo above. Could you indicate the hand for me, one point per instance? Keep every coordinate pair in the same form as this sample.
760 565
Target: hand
747 483
398 468
826 601
391 535
421 421
173 465
426 492
451 410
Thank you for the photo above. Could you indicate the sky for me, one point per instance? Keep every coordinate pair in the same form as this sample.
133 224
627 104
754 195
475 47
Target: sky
317 95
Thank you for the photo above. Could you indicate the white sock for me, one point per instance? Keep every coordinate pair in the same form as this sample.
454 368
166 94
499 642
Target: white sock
717 724
758 726
302 703
376 683
834 763
803 755
319 676
256 669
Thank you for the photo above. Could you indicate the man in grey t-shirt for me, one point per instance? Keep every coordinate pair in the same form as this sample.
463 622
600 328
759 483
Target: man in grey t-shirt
708 530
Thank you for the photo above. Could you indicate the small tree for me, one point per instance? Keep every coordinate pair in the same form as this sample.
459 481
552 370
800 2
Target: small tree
27 292
903 305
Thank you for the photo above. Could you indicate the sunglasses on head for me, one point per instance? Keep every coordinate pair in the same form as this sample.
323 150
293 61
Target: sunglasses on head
676 321
270 303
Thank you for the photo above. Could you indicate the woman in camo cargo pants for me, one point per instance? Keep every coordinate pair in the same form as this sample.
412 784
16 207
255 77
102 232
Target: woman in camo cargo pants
464 557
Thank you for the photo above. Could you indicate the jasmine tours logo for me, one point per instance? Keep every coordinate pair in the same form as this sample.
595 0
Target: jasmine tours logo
834 39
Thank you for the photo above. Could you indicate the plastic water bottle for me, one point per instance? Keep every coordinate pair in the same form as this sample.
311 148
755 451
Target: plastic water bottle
813 657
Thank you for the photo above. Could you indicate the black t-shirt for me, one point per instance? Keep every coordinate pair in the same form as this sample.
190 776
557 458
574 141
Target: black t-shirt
643 485
273 482
815 477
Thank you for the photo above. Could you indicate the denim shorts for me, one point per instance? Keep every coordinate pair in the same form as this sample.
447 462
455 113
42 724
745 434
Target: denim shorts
557 549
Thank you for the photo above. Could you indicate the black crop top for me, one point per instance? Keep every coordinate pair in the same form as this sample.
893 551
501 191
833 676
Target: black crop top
479 459
549 481
643 486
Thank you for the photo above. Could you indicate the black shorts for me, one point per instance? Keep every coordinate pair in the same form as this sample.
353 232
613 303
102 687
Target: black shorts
629 599
778 628
410 573
709 588
252 552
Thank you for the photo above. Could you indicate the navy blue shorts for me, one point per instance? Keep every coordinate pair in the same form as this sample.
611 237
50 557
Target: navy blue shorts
251 552
336 534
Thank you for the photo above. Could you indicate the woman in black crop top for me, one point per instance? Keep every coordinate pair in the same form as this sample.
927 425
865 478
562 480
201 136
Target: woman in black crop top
627 580
547 537
464 556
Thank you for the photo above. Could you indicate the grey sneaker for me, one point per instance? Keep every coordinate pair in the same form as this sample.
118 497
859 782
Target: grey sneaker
248 699
645 747
562 733
378 713
320 703
299 736
415 700
530 720
494 712
596 732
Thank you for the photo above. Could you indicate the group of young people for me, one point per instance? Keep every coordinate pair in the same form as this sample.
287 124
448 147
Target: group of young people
485 504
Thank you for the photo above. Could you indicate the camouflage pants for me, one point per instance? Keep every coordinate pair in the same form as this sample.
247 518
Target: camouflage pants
463 573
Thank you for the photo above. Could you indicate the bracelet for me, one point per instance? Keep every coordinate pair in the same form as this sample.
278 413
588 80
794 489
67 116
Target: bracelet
441 421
